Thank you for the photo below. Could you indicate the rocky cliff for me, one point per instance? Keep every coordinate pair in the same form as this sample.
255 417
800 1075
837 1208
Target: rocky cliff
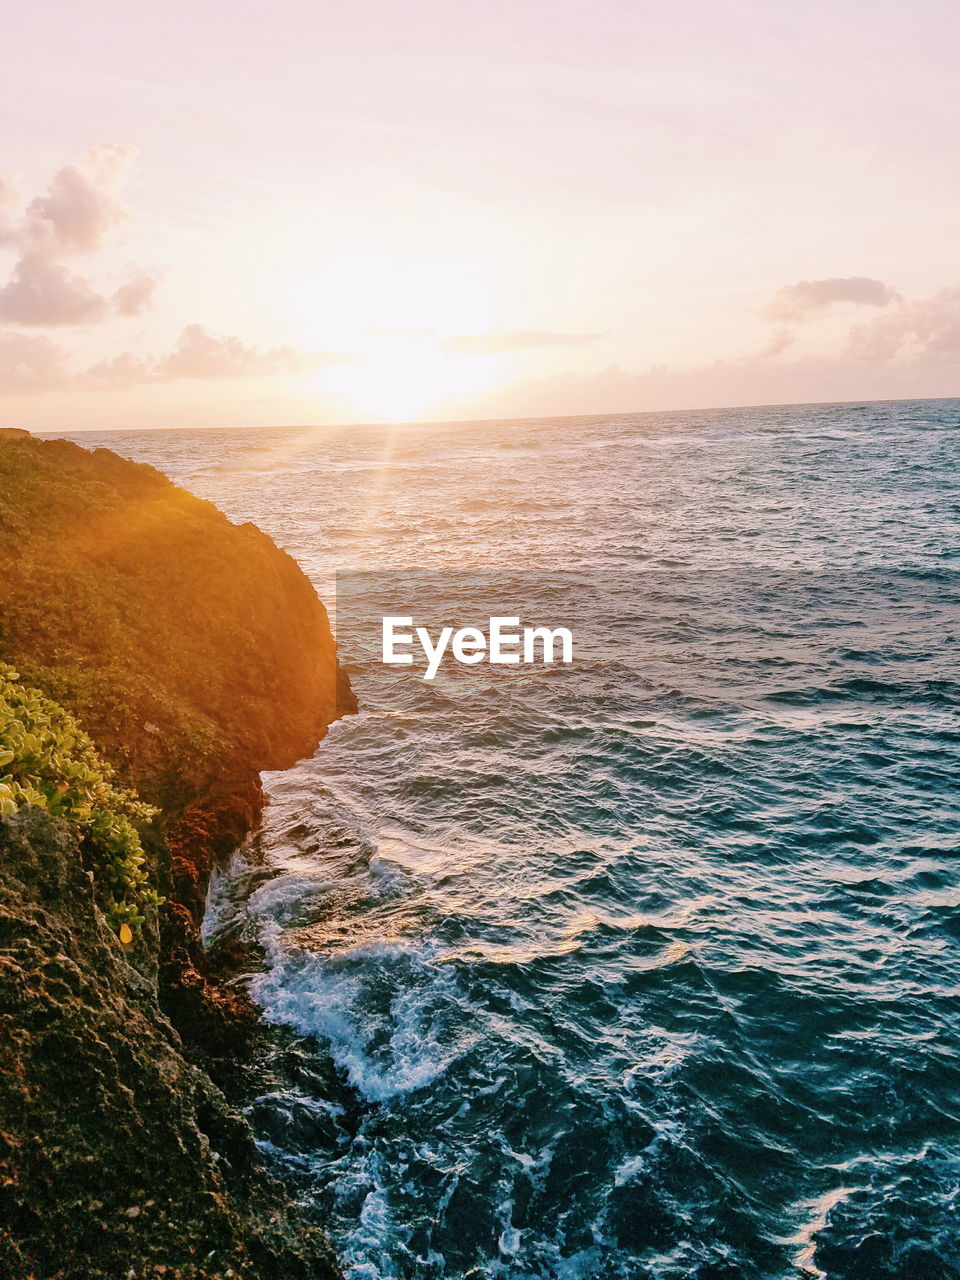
194 653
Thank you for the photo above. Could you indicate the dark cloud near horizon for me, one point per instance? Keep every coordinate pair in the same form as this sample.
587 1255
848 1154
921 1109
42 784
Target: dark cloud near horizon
798 302
78 216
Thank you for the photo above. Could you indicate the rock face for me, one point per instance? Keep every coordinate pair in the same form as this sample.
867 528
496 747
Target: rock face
195 653
120 1156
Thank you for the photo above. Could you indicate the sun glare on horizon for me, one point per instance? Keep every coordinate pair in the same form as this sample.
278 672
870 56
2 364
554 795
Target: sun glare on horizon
400 379
391 318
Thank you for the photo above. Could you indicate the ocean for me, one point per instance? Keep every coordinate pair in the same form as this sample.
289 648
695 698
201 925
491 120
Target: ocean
645 966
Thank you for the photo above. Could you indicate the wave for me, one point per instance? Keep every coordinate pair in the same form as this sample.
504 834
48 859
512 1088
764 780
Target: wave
644 968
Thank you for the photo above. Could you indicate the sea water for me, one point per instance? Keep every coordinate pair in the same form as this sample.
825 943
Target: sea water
645 967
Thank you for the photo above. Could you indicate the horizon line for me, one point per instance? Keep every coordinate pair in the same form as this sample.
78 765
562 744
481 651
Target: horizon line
469 422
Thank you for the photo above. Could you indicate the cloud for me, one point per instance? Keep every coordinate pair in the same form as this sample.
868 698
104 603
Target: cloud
30 363
927 328
755 377
486 344
911 350
124 370
8 202
200 354
797 302
779 341
79 215
134 297
82 208
45 293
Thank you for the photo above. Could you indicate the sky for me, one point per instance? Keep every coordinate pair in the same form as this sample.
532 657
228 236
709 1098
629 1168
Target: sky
230 214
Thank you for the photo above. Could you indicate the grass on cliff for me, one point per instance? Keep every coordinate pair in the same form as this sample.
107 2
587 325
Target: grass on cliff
48 761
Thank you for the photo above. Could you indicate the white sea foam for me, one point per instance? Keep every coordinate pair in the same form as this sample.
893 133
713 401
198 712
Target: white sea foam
386 1046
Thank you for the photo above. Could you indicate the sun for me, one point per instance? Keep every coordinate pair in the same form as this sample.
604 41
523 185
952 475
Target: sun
401 379
392 317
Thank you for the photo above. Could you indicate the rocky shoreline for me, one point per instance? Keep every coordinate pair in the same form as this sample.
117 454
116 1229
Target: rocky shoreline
195 654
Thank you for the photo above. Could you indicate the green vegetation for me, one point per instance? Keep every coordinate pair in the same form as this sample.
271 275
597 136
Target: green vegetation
192 650
47 760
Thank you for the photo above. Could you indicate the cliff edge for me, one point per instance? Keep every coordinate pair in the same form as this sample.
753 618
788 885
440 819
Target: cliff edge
194 653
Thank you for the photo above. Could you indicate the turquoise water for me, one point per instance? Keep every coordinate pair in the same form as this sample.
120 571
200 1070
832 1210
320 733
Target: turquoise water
648 966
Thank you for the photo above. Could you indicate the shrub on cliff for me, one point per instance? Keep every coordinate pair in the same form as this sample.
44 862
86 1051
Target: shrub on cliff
46 760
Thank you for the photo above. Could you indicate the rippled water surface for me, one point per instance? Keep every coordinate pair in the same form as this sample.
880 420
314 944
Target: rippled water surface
646 967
